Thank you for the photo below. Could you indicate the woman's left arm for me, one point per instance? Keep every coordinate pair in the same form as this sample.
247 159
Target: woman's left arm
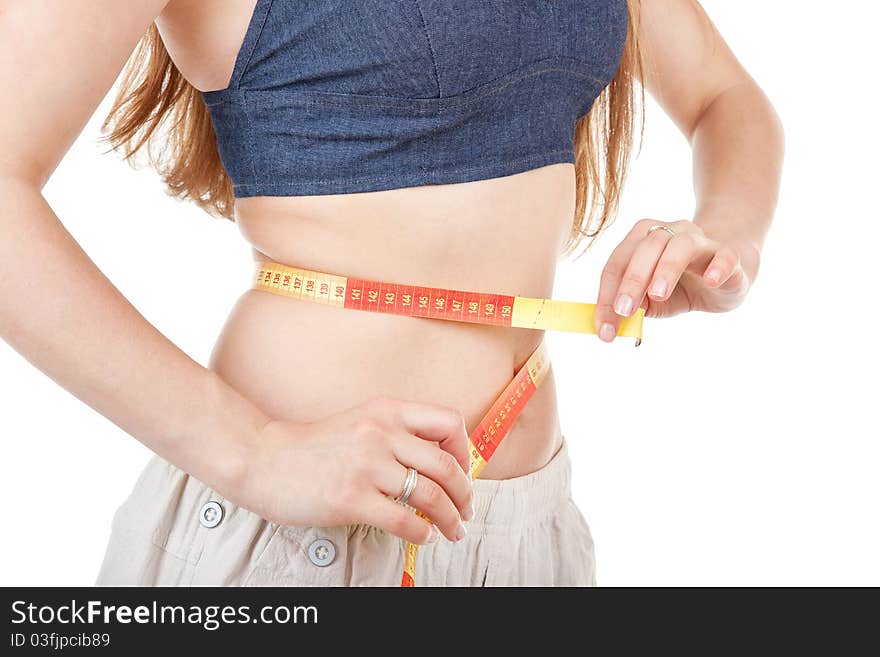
737 141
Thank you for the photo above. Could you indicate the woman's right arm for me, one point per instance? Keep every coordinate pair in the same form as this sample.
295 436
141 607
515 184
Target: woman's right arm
57 61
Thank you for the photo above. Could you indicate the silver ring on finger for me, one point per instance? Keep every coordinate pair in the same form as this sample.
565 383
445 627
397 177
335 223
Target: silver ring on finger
409 485
661 227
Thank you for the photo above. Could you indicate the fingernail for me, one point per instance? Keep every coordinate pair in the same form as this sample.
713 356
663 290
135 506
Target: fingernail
658 289
607 332
434 536
714 275
460 533
623 305
468 512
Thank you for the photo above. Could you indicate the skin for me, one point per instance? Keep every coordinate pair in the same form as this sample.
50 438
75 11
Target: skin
323 435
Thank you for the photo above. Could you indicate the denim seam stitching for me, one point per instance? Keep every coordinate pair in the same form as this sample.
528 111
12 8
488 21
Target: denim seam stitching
344 181
430 47
253 133
489 88
253 46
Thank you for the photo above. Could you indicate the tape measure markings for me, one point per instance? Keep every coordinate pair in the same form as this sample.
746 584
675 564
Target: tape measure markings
436 303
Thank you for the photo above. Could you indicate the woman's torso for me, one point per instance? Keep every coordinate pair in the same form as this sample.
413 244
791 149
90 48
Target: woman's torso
302 361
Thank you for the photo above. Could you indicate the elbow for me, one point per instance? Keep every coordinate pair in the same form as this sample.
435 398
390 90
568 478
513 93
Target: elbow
12 185
745 105
778 127
15 180
19 196
764 108
20 172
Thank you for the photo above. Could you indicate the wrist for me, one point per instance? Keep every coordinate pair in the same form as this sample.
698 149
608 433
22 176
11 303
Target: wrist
229 440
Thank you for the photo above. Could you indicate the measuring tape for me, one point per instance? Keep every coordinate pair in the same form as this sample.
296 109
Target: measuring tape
457 306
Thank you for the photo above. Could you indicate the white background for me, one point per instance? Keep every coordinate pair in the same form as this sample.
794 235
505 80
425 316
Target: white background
735 449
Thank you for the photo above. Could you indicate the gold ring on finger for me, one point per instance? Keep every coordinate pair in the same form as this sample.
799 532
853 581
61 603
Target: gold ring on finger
661 227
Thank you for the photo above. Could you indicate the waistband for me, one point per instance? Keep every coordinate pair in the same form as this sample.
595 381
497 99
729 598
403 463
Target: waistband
512 504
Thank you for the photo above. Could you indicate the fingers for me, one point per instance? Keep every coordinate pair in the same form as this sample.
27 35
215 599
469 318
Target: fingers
674 261
437 423
439 466
639 271
396 519
443 491
607 321
647 265
722 266
428 497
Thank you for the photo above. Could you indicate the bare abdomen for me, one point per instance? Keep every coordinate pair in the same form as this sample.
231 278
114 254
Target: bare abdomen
302 361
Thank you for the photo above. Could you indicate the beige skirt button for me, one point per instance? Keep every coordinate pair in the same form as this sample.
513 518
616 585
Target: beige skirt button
322 552
210 514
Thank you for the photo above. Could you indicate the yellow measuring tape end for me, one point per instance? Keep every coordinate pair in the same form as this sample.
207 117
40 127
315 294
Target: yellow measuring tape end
553 315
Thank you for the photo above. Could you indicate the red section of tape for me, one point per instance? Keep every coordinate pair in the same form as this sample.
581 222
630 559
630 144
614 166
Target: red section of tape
497 422
430 302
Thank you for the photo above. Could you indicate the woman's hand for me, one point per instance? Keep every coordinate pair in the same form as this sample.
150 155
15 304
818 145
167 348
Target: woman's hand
670 274
344 469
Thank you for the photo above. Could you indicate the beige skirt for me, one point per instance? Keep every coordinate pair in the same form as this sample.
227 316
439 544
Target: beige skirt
174 530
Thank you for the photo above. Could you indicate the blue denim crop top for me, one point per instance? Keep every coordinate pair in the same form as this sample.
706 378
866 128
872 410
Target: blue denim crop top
338 96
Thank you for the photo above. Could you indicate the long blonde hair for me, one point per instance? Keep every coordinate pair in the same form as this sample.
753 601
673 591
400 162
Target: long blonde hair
153 94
